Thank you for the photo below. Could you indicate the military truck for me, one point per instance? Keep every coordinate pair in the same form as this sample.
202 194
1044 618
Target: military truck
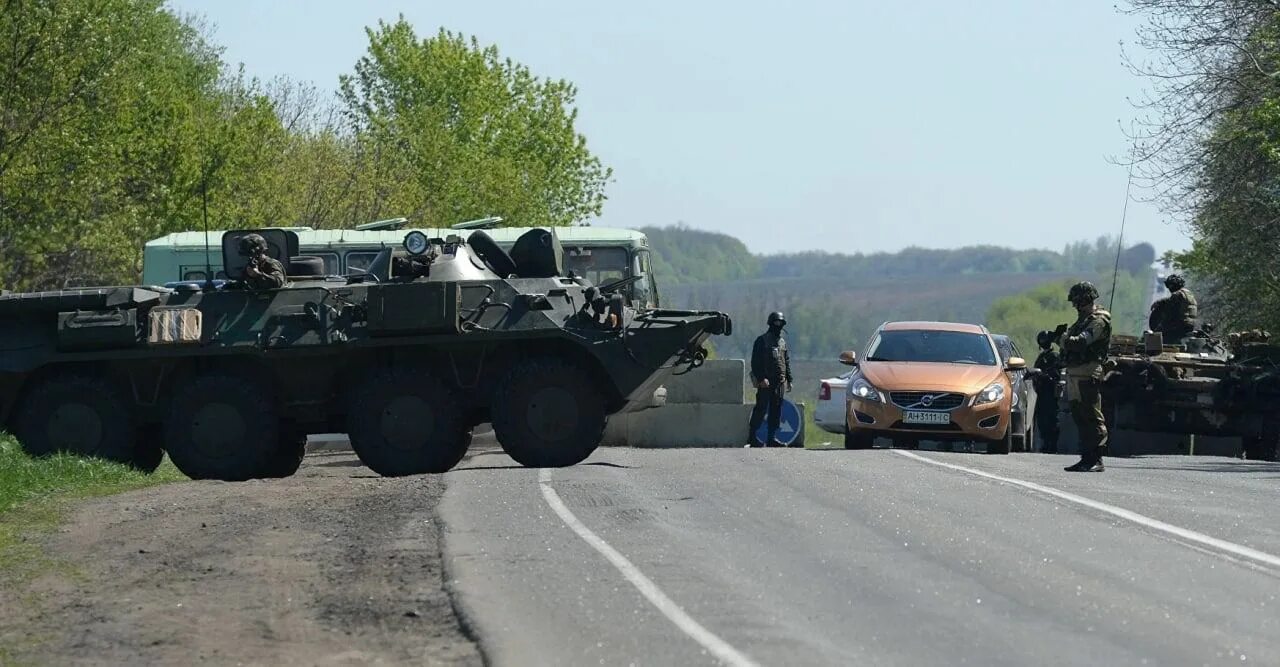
1204 386
406 358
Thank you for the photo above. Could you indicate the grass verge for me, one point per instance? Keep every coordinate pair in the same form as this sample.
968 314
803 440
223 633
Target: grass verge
35 493
815 437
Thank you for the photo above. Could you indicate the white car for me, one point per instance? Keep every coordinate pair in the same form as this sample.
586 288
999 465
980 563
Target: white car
829 411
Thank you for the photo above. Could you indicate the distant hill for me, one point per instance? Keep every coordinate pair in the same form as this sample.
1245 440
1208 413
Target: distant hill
834 301
685 255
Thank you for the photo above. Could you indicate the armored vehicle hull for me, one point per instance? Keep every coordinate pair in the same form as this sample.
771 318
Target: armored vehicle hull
230 380
1200 387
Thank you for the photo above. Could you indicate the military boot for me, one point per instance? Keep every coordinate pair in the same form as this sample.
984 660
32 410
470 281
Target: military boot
1090 461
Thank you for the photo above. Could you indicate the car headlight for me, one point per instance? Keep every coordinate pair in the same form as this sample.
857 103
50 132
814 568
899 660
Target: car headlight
861 389
992 394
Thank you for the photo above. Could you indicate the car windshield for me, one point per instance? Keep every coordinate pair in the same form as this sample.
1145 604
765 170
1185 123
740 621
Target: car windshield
950 347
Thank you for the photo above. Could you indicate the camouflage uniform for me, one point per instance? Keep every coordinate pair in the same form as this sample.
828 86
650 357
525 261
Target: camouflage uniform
1049 364
1174 316
1084 350
270 274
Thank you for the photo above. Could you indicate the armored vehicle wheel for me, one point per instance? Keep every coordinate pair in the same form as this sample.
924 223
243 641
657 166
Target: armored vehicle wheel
287 457
222 427
548 413
77 414
855 440
405 422
147 452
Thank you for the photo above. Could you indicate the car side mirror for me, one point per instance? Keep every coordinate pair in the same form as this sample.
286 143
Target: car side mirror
849 358
1016 364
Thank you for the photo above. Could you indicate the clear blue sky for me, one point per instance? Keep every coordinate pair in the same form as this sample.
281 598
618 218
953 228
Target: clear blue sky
855 125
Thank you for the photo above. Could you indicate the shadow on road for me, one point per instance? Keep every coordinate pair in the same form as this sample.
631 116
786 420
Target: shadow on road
346 463
602 464
1253 467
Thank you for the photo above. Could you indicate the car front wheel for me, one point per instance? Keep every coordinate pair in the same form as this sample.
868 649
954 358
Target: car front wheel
856 440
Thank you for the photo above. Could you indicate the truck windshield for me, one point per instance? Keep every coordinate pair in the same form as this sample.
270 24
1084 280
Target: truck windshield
599 265
948 347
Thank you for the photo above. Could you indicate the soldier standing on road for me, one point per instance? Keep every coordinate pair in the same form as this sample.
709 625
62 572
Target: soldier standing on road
262 271
1175 315
771 376
1084 350
1046 384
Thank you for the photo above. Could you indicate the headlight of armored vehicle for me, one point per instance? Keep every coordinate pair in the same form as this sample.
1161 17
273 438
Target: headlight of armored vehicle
416 243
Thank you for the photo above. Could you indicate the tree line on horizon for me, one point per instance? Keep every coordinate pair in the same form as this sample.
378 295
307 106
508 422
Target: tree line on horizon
687 255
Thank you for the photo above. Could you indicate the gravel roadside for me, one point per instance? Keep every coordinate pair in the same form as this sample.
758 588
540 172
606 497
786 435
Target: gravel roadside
332 566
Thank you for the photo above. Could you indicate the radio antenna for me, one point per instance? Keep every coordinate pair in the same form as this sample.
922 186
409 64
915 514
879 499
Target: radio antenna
204 211
1124 215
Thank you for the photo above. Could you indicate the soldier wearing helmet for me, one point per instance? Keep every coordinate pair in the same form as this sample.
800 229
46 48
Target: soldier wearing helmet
1175 315
771 376
1047 383
262 271
1084 350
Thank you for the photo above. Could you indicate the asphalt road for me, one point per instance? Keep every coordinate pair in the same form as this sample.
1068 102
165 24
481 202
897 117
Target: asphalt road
706 556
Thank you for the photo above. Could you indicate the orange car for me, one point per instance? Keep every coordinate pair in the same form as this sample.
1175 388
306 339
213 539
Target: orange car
930 381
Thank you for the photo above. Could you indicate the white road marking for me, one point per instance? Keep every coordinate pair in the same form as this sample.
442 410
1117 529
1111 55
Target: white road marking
715 645
1219 547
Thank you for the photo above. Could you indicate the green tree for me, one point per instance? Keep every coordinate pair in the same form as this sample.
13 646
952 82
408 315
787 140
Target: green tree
451 130
114 112
1209 143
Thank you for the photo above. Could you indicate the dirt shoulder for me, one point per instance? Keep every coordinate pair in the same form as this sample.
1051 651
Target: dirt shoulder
332 566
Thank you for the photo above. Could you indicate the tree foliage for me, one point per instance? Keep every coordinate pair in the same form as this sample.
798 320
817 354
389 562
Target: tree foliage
1209 142
117 117
1078 257
457 130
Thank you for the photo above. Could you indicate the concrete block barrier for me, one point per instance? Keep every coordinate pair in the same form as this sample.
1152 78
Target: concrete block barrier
676 425
719 381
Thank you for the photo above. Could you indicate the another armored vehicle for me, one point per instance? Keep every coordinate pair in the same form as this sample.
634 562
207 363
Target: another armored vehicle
406 359
1205 386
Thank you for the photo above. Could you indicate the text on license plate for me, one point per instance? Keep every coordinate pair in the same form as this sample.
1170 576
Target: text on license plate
922 417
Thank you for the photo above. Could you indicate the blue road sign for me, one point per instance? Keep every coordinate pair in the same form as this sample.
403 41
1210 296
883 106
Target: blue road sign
788 426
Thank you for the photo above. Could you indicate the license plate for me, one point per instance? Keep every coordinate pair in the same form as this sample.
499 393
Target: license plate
921 417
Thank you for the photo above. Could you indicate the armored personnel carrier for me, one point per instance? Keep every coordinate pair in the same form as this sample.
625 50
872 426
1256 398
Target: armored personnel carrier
1204 386
406 359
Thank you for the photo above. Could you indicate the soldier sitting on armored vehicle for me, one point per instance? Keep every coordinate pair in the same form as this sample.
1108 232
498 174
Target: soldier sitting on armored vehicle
262 271
1175 315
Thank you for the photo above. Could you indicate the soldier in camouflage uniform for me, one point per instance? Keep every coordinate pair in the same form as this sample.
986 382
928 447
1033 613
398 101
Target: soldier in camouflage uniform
1175 315
1084 350
262 271
1046 384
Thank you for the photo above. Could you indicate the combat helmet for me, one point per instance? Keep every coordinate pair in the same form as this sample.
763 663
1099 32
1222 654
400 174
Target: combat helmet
1175 282
252 244
1082 293
1044 339
778 317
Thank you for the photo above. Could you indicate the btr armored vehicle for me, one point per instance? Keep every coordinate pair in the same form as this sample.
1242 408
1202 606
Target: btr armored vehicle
405 358
1204 386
